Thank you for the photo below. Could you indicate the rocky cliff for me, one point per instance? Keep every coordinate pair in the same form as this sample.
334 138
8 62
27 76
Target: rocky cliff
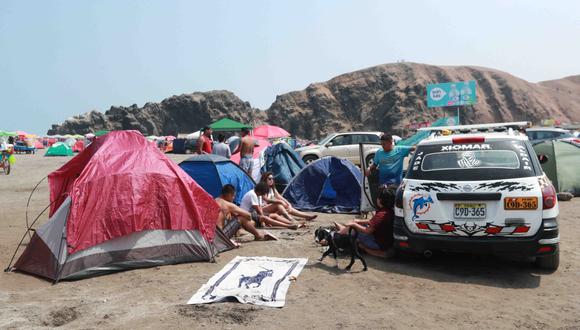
386 97
177 114
383 97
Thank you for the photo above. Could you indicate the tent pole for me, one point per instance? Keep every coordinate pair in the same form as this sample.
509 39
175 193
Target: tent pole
28 229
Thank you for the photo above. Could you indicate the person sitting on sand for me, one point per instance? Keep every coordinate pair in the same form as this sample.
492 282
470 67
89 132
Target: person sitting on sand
278 204
252 203
375 236
231 217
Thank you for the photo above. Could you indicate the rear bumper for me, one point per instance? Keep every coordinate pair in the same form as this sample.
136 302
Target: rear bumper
543 243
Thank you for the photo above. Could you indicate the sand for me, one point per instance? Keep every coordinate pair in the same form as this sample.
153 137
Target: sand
446 291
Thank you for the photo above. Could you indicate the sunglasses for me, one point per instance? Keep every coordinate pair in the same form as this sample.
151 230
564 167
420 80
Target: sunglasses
270 178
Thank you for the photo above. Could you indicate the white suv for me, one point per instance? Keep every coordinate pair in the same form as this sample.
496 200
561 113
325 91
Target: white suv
478 192
342 145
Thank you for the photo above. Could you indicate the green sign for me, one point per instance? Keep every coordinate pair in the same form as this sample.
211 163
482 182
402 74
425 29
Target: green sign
451 94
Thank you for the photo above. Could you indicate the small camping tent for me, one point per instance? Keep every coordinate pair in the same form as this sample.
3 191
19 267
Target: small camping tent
59 149
122 204
78 146
283 162
212 172
329 184
561 167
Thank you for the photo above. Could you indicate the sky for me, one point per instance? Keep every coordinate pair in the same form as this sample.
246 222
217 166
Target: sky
63 58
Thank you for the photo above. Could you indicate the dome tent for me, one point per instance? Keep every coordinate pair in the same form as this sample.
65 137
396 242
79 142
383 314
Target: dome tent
59 149
561 167
121 204
329 184
283 162
212 172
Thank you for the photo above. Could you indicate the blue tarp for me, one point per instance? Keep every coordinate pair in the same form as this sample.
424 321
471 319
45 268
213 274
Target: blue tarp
329 185
283 162
212 172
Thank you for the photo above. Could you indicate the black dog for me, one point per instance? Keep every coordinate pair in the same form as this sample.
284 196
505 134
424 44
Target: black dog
338 242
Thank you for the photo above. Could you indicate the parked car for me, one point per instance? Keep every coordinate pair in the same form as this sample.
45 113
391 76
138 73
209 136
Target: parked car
541 134
184 146
342 145
21 147
481 193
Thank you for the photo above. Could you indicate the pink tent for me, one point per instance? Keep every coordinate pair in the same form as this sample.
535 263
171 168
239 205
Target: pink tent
122 204
78 146
38 145
270 131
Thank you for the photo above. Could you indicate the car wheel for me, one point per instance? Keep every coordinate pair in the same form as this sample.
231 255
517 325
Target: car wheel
309 159
369 160
550 262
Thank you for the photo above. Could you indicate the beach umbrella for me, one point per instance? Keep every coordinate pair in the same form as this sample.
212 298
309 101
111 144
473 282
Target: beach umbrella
270 131
3 133
21 133
170 138
89 135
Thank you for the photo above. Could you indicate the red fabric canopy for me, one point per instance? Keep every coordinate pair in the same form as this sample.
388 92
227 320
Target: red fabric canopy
121 184
270 131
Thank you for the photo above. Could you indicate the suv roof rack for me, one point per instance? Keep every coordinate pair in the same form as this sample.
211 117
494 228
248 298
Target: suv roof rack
496 127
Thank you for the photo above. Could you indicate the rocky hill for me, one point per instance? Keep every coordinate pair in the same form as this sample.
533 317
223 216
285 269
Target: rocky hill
176 114
383 97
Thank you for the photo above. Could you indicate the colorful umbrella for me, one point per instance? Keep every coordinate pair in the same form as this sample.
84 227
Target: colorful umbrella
270 131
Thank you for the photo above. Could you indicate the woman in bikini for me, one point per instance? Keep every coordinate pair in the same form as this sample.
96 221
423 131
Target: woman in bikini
278 204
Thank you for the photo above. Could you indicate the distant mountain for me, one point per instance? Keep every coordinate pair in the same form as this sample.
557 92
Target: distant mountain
176 114
383 97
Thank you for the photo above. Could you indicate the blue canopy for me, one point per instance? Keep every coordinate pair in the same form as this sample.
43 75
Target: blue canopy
329 185
283 162
212 172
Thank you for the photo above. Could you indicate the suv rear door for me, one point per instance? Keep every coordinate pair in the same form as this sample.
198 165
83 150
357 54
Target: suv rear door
478 189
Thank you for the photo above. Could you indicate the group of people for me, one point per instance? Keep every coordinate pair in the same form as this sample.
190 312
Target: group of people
260 207
205 145
265 207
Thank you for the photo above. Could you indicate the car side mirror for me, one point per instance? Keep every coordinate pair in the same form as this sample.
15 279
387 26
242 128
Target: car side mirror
329 144
543 158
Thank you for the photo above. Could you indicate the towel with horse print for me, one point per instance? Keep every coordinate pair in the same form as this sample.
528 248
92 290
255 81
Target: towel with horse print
251 280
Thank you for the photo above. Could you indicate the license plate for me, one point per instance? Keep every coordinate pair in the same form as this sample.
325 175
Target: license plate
469 211
520 203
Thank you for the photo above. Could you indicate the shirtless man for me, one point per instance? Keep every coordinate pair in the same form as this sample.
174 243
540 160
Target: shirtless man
228 210
246 150
204 144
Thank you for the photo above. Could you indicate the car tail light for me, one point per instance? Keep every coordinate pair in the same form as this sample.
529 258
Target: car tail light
468 139
521 229
548 194
544 249
448 227
422 225
403 244
493 230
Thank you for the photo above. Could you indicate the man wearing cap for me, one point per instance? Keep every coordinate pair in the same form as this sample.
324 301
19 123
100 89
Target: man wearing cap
204 143
389 161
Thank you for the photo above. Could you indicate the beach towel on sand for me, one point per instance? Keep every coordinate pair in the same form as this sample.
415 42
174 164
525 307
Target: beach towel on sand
251 280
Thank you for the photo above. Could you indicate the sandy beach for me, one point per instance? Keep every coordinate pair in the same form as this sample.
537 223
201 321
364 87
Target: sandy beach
444 292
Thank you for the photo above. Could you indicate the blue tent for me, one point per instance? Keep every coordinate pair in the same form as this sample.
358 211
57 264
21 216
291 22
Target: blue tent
212 172
283 162
328 185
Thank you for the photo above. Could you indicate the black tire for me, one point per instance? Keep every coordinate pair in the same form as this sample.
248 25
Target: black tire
550 262
369 160
309 159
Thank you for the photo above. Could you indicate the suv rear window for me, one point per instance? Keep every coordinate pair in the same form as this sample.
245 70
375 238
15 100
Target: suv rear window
469 162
